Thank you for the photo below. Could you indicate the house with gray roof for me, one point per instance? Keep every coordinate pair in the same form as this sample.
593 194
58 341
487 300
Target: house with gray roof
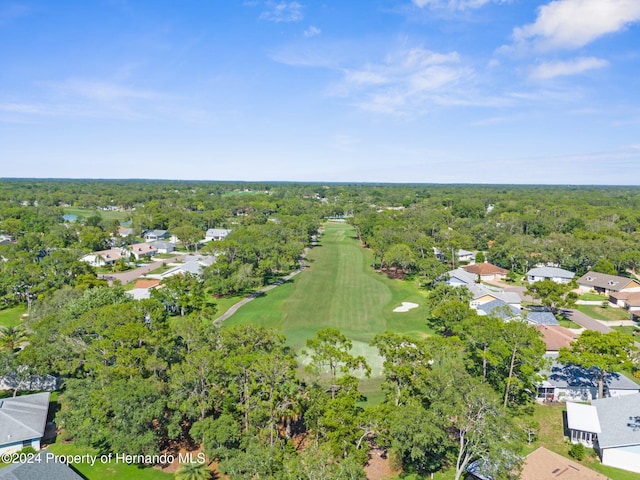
555 274
607 284
460 277
619 437
163 246
22 421
505 311
153 235
44 465
216 234
193 264
573 383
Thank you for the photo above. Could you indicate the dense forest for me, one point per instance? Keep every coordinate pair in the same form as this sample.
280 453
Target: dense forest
143 376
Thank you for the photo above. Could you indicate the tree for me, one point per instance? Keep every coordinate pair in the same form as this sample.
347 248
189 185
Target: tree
11 337
193 471
604 266
404 360
330 351
605 353
553 295
476 423
188 235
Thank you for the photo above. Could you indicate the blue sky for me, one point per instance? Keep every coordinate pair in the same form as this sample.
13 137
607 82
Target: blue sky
443 91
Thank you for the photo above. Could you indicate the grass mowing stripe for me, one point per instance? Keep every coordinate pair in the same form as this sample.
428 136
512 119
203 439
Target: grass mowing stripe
339 289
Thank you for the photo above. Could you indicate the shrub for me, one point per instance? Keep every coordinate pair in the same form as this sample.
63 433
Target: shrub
578 451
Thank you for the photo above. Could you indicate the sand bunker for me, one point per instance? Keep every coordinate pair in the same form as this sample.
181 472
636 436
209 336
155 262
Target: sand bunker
405 307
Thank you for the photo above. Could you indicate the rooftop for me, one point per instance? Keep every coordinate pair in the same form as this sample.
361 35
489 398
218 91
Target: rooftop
550 272
603 280
485 269
582 417
23 418
544 464
619 420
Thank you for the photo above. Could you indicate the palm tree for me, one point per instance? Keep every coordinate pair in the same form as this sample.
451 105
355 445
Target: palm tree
11 337
193 471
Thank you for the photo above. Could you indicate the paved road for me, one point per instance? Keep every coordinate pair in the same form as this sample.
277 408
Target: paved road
131 275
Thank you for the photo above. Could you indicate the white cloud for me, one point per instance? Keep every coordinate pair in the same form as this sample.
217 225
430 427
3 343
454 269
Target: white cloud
312 31
405 82
283 12
454 4
569 24
548 70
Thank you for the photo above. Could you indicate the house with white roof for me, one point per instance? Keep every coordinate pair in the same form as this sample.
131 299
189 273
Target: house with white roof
22 421
583 423
555 274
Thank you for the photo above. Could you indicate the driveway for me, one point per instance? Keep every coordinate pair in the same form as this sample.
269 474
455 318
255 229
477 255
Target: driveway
131 275
586 321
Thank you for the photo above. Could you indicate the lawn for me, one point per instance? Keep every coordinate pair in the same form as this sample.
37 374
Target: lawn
593 297
105 214
340 290
566 323
10 317
107 470
599 313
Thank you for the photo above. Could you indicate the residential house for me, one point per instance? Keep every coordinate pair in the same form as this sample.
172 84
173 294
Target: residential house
628 300
142 288
583 423
5 239
555 337
619 437
164 247
125 231
506 311
486 271
465 255
460 278
44 465
578 384
216 234
482 294
557 275
193 264
607 284
153 235
106 257
543 464
142 250
22 421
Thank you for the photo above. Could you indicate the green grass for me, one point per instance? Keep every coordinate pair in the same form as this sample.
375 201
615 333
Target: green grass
338 290
551 436
599 313
628 329
105 214
566 323
108 470
10 317
593 297
225 303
